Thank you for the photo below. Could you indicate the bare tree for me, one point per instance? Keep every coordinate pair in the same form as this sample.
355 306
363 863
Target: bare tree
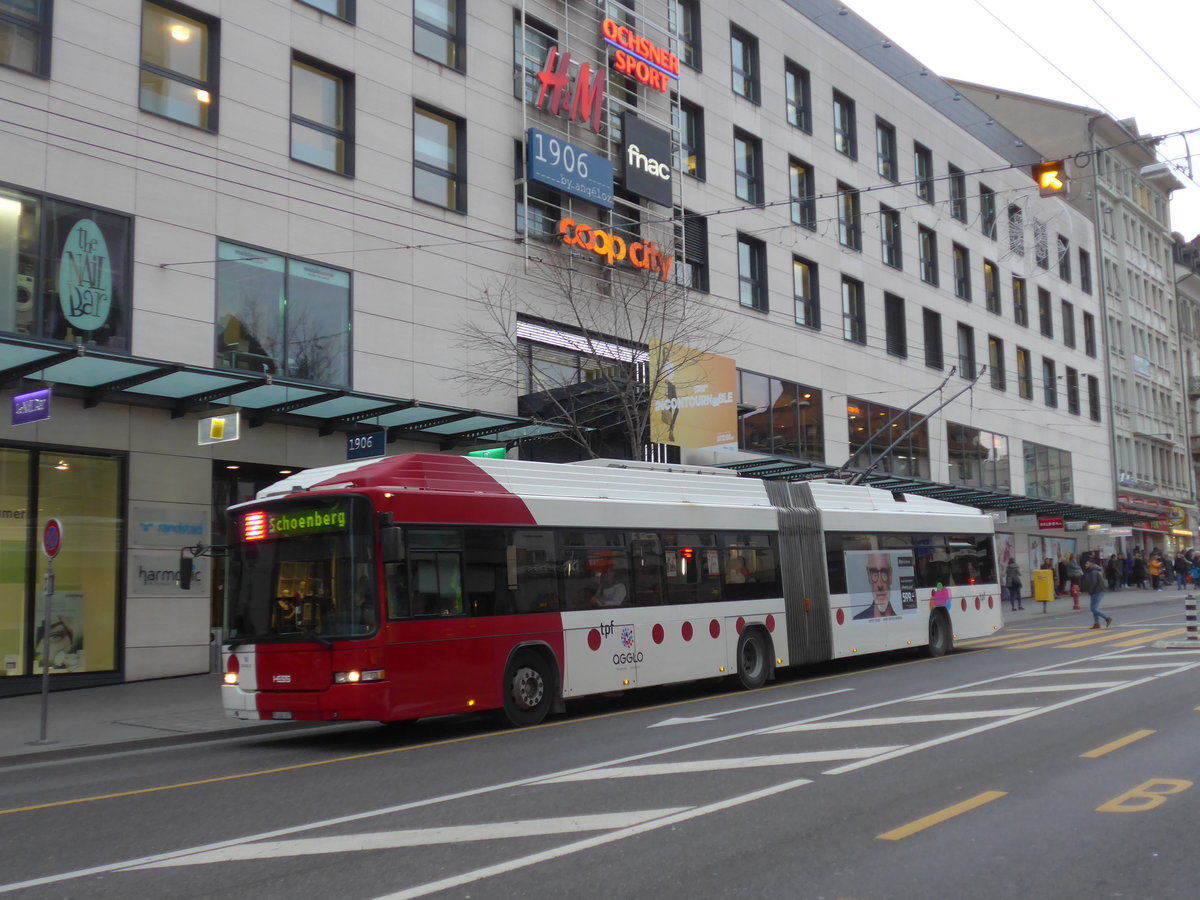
621 323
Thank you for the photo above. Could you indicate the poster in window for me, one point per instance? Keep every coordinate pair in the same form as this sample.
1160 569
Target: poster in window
86 253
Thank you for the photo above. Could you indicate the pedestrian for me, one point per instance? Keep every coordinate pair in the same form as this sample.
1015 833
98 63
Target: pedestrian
1137 572
1093 583
1012 580
1181 568
1112 571
1155 567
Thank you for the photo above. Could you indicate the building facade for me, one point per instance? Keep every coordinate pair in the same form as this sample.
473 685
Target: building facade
318 220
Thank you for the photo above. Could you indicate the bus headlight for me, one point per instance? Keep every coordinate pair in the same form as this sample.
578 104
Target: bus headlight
354 676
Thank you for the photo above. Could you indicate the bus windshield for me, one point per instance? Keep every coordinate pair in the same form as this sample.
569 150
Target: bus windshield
301 570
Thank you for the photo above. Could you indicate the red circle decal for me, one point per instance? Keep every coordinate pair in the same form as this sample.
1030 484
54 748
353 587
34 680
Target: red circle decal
978 603
714 628
741 624
841 616
658 634
964 604
687 631
991 603
594 639
771 624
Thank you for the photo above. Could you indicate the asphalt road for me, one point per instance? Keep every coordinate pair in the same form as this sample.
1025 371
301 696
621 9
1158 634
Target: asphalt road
1048 761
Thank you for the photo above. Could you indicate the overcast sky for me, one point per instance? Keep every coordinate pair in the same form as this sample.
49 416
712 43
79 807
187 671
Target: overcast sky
1102 65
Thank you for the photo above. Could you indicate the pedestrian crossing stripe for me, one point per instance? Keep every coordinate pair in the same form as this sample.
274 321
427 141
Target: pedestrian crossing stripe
1029 639
1107 636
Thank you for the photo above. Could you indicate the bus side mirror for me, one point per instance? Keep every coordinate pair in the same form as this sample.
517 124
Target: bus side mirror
185 570
391 543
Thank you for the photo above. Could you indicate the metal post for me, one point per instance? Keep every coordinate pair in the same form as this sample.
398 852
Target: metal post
1190 617
48 585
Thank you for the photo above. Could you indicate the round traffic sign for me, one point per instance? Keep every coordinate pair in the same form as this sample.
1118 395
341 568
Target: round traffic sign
52 535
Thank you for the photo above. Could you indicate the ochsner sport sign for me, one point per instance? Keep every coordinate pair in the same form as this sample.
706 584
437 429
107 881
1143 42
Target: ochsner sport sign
613 249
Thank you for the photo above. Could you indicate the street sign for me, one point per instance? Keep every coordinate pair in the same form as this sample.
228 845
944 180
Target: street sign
366 446
33 406
52 535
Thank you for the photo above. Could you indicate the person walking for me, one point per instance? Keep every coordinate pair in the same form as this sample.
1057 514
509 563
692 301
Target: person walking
1181 568
1012 579
1155 567
1137 573
1093 583
1112 571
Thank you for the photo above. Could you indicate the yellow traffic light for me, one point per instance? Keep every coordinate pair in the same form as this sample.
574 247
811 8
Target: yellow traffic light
1051 177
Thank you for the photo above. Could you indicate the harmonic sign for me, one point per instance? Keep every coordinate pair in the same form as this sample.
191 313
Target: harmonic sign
568 168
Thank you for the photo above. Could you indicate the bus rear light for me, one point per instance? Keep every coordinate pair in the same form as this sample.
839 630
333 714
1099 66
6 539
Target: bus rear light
232 669
231 677
254 526
354 676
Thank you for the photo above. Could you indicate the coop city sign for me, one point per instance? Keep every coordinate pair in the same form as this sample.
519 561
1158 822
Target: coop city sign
613 249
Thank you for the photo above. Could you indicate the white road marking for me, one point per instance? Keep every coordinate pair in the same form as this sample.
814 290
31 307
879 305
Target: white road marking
418 837
907 720
720 765
711 717
1159 653
1039 689
1136 667
533 859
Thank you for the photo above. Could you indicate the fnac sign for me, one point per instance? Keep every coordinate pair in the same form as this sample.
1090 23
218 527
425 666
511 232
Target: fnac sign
640 58
613 249
579 98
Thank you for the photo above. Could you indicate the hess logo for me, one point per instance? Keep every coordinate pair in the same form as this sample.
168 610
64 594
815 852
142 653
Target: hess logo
652 167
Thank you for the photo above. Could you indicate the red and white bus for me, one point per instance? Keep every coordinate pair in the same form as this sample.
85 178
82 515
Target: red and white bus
423 584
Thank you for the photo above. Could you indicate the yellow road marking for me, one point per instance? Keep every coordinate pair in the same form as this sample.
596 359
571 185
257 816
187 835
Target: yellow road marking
1108 636
1009 638
937 818
1045 643
1162 636
1147 795
1117 744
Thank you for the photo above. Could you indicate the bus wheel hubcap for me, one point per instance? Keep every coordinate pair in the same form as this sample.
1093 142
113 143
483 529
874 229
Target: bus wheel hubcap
528 688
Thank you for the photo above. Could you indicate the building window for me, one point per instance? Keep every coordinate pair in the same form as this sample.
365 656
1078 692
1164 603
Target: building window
1024 373
179 65
966 351
322 116
685 31
65 271
439 31
802 190
885 150
923 158
531 49
539 209
895 325
927 253
987 211
1064 258
1048 473
854 311
991 287
343 9
962 272
1089 334
889 230
1041 247
691 249
439 158
806 293
743 48
1072 380
799 96
1045 313
25 34
1016 230
996 362
845 137
781 418
690 125
1085 271
1020 302
1093 398
282 316
849 217
958 194
1068 322
932 322
747 166
1049 382
978 459
752 273
874 428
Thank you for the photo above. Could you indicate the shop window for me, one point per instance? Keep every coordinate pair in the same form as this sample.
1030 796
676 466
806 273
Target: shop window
64 271
281 315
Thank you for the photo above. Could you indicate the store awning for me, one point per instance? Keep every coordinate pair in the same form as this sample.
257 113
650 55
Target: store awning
99 376
771 467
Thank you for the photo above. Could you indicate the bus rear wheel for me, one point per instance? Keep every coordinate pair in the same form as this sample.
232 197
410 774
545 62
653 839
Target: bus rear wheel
941 639
528 689
753 661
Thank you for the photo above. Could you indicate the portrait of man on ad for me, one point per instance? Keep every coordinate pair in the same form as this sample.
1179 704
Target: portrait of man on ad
881 583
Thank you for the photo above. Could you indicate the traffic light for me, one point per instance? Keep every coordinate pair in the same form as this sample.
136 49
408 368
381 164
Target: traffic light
1051 177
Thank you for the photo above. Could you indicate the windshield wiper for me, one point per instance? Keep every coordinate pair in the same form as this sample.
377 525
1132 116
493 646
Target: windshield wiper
319 638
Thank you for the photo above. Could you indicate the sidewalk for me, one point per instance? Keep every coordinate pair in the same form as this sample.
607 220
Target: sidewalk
186 709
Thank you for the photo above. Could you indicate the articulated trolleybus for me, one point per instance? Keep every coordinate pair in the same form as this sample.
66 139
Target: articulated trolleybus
424 585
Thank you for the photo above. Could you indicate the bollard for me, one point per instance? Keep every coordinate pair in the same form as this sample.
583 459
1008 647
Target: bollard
1190 617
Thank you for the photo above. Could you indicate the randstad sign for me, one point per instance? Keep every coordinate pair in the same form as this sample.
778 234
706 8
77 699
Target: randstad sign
612 248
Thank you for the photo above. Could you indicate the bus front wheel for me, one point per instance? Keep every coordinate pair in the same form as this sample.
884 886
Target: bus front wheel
528 689
941 638
753 660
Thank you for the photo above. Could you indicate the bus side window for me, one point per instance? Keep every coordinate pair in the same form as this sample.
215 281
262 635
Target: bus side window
395 579
647 559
